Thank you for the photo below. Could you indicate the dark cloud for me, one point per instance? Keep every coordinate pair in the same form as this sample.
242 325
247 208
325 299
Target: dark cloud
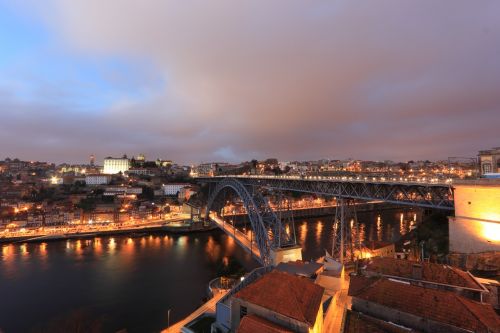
291 79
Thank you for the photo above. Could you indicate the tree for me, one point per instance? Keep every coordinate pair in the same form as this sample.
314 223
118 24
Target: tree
433 231
87 204
147 193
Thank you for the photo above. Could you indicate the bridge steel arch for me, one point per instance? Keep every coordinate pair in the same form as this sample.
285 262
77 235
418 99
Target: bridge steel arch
268 230
437 196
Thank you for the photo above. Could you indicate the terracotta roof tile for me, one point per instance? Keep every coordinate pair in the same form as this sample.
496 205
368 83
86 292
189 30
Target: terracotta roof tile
437 305
292 296
431 272
356 322
253 324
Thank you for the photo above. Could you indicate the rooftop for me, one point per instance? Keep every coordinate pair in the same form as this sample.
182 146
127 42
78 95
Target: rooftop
356 322
289 295
301 268
252 323
434 273
441 306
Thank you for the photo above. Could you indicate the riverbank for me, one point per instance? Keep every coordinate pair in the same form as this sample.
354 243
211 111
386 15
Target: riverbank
178 227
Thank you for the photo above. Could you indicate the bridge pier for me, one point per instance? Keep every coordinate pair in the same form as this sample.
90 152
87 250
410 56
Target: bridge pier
292 253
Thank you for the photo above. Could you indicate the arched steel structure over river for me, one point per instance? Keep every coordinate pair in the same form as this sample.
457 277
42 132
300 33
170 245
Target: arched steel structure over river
267 227
427 194
269 231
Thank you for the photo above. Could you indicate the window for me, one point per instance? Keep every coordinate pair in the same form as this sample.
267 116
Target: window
486 167
243 311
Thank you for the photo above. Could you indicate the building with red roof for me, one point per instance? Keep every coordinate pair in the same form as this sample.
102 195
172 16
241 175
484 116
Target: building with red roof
252 324
356 322
428 275
420 308
287 300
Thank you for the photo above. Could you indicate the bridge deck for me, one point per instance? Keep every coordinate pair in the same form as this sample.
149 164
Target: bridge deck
208 307
238 236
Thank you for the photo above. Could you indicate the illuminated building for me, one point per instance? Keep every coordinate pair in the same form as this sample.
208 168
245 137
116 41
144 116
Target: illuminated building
173 188
490 160
475 227
295 305
116 165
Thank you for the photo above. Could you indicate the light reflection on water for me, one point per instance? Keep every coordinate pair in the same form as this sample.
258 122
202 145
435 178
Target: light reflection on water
131 281
319 230
142 275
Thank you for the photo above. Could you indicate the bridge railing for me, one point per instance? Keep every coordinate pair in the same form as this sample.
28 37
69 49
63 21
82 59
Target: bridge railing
360 179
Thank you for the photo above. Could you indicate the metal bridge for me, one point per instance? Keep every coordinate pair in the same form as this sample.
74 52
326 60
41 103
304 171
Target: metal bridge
270 234
267 227
422 193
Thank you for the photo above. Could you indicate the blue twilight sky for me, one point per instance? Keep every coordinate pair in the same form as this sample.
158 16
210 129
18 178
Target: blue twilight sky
194 81
34 66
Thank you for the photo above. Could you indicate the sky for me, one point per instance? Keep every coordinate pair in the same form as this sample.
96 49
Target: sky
199 81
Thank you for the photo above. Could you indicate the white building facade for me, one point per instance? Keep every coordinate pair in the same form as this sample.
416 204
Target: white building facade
116 165
97 179
173 188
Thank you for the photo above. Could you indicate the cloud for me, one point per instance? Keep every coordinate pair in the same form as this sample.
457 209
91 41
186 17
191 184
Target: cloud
290 79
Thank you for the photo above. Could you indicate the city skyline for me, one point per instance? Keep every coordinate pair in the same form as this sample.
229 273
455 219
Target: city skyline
249 166
196 82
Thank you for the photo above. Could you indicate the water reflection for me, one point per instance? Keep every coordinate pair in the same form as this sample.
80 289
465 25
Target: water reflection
231 244
118 274
319 231
24 250
78 248
43 251
387 225
379 228
182 242
97 246
7 253
212 249
302 232
402 229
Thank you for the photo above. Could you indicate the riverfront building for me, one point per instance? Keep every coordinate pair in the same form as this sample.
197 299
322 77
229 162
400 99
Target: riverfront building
489 160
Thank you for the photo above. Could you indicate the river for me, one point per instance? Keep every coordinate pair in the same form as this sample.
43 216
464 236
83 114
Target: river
113 283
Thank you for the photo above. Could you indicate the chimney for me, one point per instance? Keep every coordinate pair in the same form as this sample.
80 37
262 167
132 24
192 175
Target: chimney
416 272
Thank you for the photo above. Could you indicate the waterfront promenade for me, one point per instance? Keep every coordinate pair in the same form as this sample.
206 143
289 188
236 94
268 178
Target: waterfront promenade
179 223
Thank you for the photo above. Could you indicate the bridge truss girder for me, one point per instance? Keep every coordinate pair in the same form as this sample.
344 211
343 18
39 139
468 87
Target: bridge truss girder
436 196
